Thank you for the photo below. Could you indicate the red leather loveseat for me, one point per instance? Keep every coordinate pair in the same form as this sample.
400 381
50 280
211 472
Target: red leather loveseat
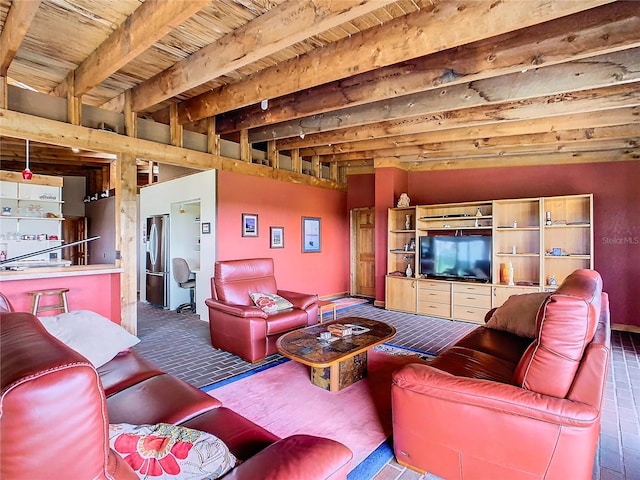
55 411
237 325
498 405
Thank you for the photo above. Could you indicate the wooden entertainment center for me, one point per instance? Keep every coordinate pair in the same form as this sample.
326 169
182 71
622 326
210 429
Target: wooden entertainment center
544 239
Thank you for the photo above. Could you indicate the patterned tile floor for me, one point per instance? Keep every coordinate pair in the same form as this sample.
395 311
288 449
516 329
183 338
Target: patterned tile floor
180 344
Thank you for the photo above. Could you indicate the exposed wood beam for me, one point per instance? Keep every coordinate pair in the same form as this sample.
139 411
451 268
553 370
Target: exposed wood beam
280 27
423 133
15 28
525 160
411 36
21 125
601 30
145 26
604 70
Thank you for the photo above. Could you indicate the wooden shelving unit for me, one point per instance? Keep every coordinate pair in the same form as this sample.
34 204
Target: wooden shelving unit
540 246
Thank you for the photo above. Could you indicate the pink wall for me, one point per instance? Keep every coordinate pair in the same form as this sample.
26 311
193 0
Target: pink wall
362 191
283 204
99 293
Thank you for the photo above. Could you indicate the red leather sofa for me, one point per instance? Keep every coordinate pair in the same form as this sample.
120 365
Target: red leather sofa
496 405
237 325
56 407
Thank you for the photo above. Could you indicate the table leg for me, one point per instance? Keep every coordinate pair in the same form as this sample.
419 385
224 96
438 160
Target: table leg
341 374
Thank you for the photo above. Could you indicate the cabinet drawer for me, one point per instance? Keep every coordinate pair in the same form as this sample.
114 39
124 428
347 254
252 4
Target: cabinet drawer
434 285
435 309
472 300
472 288
437 296
471 314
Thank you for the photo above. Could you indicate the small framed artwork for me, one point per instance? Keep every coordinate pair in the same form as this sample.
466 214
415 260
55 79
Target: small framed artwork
206 228
310 234
277 237
249 225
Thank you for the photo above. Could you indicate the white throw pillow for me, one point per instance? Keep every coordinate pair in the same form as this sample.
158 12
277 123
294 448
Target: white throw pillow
95 337
270 302
165 451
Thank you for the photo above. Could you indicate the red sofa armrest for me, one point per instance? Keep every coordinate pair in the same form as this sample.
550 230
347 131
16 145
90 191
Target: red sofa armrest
246 311
299 300
296 457
434 385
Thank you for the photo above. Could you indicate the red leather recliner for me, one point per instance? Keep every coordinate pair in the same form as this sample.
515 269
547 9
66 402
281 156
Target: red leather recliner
497 406
237 325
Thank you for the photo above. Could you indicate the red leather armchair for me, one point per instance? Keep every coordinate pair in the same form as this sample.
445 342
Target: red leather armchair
497 406
237 325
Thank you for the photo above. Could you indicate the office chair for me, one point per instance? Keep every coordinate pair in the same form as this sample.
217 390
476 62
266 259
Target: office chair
186 279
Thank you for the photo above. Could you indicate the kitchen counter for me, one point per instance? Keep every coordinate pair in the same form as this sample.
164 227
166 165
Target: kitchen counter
91 287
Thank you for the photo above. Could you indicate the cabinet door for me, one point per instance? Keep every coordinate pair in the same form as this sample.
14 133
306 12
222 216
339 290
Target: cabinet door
501 293
401 294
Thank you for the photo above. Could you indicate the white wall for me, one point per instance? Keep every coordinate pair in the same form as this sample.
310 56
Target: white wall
161 198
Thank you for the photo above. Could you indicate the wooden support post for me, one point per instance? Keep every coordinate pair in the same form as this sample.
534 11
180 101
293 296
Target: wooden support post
245 146
272 154
296 160
74 104
213 139
150 177
126 231
4 92
333 168
130 117
175 126
316 167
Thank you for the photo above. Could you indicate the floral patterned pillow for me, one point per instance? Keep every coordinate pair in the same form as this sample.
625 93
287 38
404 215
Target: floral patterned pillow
270 302
165 451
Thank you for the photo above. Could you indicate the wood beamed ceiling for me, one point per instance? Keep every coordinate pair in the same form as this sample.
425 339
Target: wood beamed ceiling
349 85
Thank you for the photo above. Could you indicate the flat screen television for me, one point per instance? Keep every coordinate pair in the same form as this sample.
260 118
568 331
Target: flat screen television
449 257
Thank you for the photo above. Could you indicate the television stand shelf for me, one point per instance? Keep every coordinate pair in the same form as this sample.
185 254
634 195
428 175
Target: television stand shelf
523 232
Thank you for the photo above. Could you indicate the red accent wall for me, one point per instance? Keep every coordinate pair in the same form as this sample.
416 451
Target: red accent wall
616 212
362 191
283 204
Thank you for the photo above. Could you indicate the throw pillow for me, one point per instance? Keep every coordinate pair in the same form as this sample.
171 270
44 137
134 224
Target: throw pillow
165 451
95 337
518 314
270 302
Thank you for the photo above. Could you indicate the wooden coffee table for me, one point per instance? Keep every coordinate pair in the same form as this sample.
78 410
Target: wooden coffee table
340 362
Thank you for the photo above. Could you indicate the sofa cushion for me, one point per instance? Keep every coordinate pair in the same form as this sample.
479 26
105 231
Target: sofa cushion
165 451
93 336
566 324
270 302
518 314
285 321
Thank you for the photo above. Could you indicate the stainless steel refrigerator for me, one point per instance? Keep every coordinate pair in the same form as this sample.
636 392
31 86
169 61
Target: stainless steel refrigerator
158 260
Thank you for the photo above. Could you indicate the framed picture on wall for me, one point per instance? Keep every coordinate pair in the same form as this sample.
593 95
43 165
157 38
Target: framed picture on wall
249 225
277 237
310 234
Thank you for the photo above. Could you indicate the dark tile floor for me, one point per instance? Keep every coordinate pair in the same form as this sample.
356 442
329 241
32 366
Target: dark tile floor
180 344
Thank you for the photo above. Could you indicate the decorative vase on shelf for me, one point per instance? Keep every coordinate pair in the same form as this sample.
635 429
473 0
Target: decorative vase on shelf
407 222
409 272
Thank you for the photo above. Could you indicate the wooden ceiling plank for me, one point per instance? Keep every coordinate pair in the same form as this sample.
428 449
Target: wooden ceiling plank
595 72
279 28
144 27
601 30
425 133
15 28
411 36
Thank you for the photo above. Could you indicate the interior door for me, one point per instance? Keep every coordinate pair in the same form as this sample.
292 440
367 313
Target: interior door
363 252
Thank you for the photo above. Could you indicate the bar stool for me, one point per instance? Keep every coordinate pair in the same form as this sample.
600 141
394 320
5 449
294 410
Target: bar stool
61 305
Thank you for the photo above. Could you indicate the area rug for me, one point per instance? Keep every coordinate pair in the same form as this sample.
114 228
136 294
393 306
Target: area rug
281 399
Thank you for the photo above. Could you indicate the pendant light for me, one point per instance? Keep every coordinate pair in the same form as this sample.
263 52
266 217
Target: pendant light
27 174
